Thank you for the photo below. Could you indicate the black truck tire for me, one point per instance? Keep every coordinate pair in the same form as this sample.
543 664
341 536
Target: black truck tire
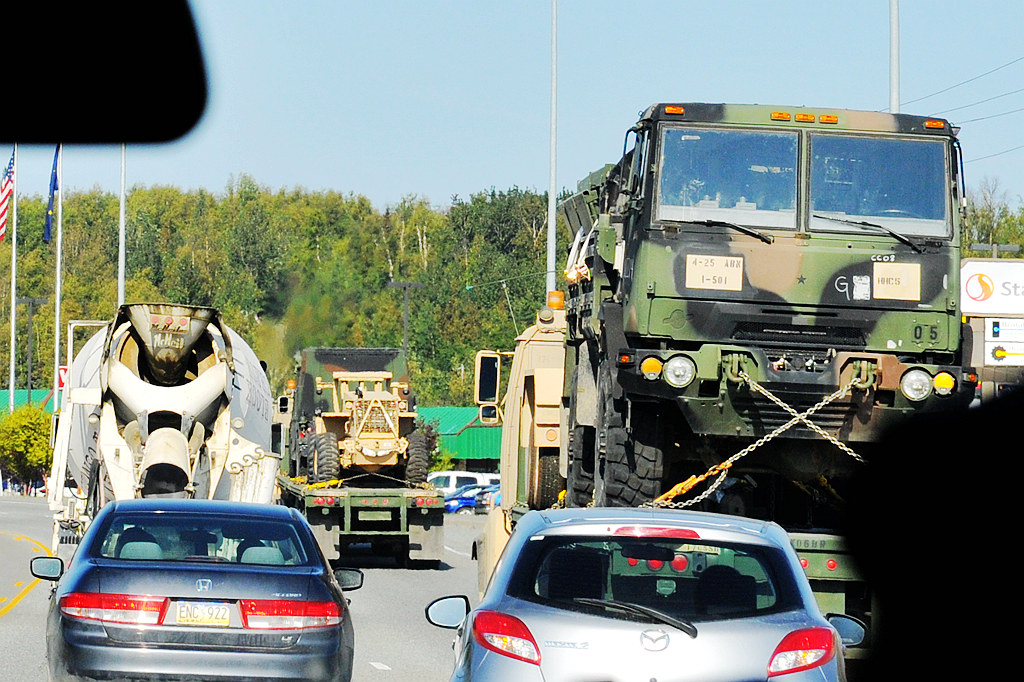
418 459
634 464
579 483
326 464
633 459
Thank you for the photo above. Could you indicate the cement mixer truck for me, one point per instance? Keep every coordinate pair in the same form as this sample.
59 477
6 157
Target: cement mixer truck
165 401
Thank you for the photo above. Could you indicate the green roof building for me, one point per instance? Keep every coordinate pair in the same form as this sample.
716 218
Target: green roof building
473 446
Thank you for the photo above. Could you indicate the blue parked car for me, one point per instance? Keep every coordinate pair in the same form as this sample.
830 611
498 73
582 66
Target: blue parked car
462 500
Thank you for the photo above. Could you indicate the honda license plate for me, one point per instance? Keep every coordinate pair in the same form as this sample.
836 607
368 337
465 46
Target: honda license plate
208 613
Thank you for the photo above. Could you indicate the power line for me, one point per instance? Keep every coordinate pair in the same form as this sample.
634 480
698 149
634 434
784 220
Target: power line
981 101
969 80
985 118
989 156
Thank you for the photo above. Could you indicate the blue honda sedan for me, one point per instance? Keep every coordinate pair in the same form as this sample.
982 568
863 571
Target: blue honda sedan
198 590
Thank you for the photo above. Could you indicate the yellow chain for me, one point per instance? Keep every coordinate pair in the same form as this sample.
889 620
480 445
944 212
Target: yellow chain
665 500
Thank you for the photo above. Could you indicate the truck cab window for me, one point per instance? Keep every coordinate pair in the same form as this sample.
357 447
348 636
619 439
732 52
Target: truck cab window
738 176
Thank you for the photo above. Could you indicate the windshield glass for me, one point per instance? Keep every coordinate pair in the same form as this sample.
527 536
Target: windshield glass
738 176
206 537
688 580
898 183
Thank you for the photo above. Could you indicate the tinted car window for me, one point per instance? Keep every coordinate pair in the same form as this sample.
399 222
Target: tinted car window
184 537
693 580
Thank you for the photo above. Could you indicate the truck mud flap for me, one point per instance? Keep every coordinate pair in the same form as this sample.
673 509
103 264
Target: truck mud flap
426 535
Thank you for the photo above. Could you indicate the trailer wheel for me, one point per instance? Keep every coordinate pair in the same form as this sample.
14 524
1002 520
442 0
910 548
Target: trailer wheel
418 462
326 460
547 481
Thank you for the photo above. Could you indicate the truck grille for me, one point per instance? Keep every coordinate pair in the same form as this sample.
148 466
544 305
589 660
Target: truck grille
764 416
374 416
827 336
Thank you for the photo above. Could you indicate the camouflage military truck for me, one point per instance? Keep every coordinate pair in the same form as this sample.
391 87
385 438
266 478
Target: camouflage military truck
355 458
754 293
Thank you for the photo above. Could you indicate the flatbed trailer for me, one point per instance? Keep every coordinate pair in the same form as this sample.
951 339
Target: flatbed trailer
407 523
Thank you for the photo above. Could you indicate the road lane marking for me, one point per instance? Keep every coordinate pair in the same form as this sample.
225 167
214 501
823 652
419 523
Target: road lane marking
14 602
379 666
455 551
31 586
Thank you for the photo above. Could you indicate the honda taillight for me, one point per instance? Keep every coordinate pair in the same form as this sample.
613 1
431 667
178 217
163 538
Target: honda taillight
506 635
802 650
283 614
114 608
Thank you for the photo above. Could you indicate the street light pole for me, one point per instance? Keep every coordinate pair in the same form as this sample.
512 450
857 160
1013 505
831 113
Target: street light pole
32 303
405 286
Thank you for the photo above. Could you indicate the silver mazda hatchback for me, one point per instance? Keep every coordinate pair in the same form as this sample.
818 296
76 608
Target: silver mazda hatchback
643 594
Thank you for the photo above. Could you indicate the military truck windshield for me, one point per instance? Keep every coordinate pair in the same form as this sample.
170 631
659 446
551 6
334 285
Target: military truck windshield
900 184
738 176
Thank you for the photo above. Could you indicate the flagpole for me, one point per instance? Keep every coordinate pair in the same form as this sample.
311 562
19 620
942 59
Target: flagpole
14 278
58 277
120 238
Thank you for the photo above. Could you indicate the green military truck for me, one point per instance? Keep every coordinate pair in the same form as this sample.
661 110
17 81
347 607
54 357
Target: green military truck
355 458
754 294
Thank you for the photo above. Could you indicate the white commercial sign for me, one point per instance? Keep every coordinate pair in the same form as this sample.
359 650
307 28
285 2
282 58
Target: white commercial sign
992 287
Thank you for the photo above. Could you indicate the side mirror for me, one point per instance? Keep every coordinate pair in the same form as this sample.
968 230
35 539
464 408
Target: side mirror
349 578
47 567
487 383
489 414
852 632
448 612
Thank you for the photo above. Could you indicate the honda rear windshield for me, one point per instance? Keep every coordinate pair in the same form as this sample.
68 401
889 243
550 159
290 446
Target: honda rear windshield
201 538
690 580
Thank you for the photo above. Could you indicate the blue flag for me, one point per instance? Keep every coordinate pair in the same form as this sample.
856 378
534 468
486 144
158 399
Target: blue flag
53 193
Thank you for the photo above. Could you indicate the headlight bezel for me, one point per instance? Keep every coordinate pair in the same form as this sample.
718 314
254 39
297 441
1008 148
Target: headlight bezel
676 366
916 384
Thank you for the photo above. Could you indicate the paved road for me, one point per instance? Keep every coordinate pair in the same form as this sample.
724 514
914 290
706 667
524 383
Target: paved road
24 533
394 643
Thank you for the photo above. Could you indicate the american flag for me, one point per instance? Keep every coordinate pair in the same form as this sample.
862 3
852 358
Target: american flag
6 191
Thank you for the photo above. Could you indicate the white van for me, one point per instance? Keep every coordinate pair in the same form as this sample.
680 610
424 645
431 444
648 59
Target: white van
448 481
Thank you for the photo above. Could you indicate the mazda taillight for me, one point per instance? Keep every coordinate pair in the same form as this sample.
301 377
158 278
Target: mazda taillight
283 614
114 608
657 532
506 635
802 650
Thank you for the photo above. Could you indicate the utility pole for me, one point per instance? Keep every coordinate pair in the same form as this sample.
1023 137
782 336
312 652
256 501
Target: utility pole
405 286
894 56
551 279
32 303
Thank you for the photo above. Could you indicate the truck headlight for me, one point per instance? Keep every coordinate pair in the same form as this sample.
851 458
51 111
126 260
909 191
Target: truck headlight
916 384
679 371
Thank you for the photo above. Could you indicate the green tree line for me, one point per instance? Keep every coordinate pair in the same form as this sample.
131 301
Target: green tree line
292 269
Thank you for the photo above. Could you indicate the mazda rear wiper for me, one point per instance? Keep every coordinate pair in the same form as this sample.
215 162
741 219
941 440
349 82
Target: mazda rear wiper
636 609
766 238
892 233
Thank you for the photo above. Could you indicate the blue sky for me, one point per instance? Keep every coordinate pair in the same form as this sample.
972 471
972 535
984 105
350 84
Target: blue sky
440 97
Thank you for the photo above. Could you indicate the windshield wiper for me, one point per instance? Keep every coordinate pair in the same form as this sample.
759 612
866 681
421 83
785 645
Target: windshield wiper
892 233
636 609
766 238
